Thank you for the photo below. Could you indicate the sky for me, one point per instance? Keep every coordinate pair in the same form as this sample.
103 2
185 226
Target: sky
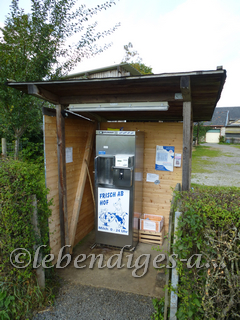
170 36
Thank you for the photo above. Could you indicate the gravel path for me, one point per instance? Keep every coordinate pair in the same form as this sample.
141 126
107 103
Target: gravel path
225 169
77 302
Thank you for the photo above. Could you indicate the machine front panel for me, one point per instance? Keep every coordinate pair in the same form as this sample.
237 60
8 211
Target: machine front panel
113 210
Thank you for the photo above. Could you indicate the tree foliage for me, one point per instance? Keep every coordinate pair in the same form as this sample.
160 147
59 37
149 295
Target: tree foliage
44 44
40 45
141 67
199 132
131 56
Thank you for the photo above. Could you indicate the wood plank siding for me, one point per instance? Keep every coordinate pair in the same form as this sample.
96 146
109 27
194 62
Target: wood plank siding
156 198
76 132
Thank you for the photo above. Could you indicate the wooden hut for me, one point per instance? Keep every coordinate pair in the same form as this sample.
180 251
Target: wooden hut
191 97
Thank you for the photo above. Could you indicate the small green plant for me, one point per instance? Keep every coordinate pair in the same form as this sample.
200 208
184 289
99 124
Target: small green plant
159 309
6 302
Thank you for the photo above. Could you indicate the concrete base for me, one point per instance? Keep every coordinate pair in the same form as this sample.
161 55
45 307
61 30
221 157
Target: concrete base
116 274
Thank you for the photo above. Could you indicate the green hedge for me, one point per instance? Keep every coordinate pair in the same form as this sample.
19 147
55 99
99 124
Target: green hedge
209 225
19 292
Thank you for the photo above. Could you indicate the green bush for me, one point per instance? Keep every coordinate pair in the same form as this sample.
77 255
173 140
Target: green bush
221 139
33 153
159 309
210 226
19 291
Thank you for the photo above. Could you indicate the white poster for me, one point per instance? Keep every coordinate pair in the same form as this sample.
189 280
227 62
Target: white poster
164 158
152 177
113 210
69 155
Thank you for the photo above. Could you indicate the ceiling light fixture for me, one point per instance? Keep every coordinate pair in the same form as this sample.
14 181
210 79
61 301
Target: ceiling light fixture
126 106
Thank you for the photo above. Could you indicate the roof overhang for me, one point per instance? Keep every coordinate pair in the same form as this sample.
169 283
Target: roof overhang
202 88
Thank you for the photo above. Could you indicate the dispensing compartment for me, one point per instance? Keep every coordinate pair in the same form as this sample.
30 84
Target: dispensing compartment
103 169
123 169
122 177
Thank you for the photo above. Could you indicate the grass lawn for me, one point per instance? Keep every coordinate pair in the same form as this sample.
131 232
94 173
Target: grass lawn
199 164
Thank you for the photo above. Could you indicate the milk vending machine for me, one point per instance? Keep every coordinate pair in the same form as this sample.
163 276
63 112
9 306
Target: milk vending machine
118 186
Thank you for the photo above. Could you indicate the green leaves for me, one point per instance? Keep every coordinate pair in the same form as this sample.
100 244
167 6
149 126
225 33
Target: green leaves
18 182
209 226
39 46
5 303
37 40
159 309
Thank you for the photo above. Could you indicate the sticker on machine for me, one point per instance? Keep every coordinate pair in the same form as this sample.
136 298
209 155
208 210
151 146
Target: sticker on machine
113 210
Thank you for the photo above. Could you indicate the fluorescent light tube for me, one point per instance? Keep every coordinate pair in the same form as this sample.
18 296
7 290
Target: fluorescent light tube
127 106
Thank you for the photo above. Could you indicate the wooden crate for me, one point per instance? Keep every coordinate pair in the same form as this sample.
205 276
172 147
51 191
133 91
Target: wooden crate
151 237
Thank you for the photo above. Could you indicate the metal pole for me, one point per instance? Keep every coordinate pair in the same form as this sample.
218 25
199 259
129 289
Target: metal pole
4 147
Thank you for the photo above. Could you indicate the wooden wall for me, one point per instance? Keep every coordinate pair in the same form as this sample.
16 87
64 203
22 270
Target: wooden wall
156 198
76 132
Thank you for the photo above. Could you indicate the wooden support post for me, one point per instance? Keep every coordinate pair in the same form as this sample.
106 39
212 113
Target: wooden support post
185 86
39 271
187 140
4 147
81 185
62 184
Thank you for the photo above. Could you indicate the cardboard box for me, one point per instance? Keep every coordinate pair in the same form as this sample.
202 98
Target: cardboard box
151 222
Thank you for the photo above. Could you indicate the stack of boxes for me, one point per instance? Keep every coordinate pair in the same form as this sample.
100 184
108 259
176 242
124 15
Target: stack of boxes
151 229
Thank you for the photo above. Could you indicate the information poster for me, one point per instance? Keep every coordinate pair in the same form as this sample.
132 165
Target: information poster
113 210
164 158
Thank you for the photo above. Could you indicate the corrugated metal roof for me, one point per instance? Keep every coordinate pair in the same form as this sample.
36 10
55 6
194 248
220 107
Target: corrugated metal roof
126 66
222 116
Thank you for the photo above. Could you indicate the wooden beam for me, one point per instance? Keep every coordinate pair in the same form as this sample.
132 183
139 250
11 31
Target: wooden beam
186 167
62 184
117 98
49 112
185 87
95 116
42 94
81 185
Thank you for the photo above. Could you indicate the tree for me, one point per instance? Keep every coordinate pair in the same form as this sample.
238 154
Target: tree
199 132
136 60
42 45
141 67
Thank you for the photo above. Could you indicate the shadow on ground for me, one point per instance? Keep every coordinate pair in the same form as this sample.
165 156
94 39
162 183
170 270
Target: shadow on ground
131 272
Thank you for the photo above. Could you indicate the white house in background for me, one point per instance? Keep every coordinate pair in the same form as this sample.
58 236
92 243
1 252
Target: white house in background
225 122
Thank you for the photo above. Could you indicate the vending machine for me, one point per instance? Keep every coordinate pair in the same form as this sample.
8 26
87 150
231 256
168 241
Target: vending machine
118 186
